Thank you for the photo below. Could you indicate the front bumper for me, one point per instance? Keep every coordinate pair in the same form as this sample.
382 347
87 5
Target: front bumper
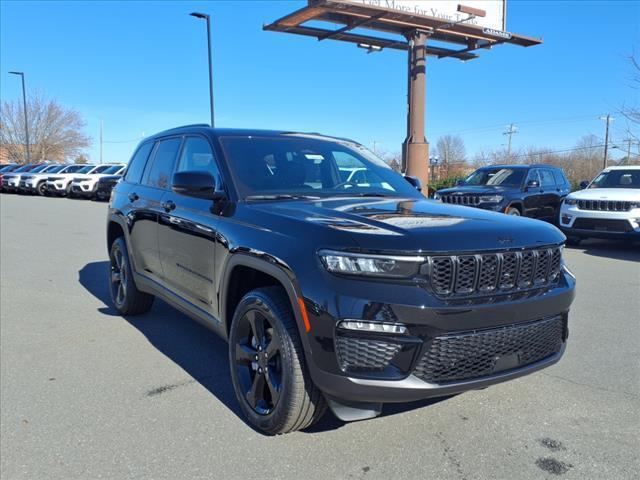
428 320
83 189
57 187
600 224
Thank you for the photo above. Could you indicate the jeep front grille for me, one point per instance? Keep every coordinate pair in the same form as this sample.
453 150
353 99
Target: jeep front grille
468 275
604 205
475 354
461 199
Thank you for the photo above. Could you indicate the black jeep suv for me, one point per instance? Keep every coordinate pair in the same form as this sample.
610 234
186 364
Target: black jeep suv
533 191
331 291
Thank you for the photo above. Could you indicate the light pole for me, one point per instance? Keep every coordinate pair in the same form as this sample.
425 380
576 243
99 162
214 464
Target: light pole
208 19
24 104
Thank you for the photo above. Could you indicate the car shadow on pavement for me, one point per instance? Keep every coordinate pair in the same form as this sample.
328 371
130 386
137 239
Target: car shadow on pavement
609 249
197 350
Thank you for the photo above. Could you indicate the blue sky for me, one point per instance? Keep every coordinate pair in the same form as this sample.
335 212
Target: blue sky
141 68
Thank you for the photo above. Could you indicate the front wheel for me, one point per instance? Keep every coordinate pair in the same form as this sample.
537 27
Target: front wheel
513 211
42 189
268 370
125 295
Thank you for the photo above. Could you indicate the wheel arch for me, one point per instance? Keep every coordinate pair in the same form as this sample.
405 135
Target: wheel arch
262 272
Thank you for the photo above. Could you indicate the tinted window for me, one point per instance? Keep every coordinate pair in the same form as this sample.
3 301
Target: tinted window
197 156
112 169
55 169
137 163
72 169
547 178
561 181
159 174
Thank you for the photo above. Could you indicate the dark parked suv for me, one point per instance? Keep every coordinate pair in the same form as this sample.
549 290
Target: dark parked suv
533 191
328 291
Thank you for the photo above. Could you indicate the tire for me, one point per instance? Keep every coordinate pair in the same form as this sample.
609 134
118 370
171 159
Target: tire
513 211
67 191
298 403
42 189
125 296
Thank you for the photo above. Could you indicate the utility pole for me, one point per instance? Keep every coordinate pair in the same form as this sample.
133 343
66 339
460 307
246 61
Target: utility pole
608 119
26 122
512 129
101 141
628 140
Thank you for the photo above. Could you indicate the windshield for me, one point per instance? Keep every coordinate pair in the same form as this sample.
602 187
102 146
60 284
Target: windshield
504 177
113 169
309 166
86 169
39 168
100 168
54 169
7 168
73 169
617 179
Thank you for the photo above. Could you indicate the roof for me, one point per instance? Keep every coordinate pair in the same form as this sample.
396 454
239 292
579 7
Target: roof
623 167
520 166
239 132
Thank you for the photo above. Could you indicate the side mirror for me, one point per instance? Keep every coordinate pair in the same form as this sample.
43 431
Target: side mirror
415 181
533 184
199 184
584 184
459 182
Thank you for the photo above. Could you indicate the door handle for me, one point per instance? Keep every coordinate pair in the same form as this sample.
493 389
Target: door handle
168 205
133 197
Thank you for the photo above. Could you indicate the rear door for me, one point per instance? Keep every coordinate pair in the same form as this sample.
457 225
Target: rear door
187 232
145 198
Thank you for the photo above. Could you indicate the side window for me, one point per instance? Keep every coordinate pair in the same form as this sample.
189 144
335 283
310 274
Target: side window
533 175
547 178
561 181
197 155
137 163
159 175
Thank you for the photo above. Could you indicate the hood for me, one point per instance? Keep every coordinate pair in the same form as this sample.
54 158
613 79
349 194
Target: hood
476 190
409 224
619 194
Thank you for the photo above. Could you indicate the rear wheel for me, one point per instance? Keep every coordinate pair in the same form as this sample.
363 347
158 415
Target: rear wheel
268 368
124 293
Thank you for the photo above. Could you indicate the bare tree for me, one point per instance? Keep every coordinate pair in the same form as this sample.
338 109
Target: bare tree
451 151
632 111
55 132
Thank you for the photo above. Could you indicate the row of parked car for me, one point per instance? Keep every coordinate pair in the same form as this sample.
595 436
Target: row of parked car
48 179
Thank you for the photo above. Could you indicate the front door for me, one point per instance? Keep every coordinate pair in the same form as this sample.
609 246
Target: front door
532 195
187 233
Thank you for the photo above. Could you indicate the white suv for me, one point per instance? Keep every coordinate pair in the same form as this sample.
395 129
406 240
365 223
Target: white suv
37 182
61 184
608 208
85 185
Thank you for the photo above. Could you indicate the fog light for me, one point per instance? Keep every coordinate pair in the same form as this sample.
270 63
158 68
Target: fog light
362 326
566 219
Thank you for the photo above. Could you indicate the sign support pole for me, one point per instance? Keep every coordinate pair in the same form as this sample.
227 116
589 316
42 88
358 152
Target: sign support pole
415 149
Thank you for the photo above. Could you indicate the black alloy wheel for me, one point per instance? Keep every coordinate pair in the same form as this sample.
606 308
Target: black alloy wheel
258 362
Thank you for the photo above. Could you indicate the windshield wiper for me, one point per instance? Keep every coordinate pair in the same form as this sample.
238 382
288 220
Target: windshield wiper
281 196
370 194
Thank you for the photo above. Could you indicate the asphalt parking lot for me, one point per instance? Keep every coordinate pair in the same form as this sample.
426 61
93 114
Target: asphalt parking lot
88 394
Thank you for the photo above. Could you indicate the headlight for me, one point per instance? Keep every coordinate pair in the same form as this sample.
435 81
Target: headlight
634 205
570 201
491 198
437 196
389 266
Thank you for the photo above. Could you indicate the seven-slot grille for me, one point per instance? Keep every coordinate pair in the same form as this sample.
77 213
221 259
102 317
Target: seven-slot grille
466 275
604 205
461 199
465 355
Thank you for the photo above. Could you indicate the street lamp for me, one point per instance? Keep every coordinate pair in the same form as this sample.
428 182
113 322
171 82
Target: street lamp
24 104
206 17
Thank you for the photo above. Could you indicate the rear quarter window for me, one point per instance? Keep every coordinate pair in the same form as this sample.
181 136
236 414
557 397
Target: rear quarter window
137 163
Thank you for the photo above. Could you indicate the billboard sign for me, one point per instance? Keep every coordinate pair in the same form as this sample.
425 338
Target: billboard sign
447 10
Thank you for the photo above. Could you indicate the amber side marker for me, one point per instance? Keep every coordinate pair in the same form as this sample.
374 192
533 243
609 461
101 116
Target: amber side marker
305 318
